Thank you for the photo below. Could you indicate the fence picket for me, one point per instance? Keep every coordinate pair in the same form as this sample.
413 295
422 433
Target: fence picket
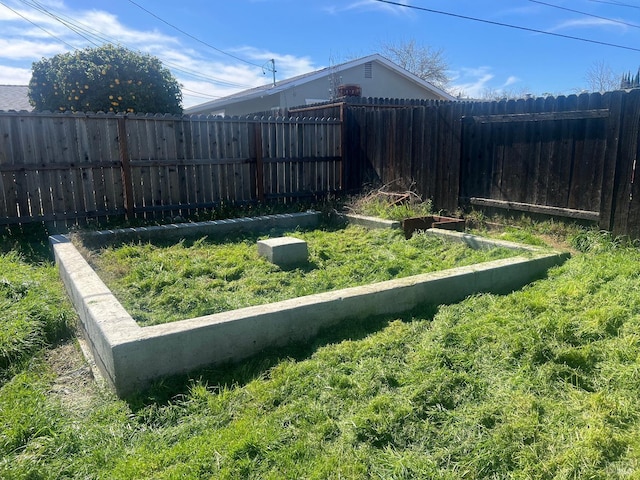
579 155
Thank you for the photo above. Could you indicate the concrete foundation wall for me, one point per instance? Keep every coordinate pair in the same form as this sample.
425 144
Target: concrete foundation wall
177 231
131 356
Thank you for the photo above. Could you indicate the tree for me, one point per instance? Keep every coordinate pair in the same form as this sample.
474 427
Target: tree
422 60
630 81
493 94
601 78
108 79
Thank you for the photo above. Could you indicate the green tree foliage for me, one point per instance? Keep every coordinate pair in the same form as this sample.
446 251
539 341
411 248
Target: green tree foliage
108 79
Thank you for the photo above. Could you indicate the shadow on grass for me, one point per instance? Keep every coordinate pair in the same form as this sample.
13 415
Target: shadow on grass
31 242
239 374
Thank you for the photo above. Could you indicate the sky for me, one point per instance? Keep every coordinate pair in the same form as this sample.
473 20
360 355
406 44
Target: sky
219 47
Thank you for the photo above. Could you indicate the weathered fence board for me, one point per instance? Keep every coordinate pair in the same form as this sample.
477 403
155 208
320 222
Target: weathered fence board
574 154
67 168
555 161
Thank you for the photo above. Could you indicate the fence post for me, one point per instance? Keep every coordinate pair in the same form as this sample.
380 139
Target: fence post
343 146
259 162
125 167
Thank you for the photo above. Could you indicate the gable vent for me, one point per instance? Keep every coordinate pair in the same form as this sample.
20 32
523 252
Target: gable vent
368 70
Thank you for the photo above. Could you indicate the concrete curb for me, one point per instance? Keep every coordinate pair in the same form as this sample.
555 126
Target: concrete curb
130 356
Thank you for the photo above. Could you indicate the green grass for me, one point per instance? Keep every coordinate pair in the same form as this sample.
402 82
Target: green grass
538 384
33 310
163 283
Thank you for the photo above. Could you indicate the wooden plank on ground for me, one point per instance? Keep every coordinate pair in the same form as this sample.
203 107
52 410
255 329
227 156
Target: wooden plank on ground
528 207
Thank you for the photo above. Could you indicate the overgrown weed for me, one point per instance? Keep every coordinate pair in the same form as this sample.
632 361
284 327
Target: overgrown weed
186 280
390 202
540 383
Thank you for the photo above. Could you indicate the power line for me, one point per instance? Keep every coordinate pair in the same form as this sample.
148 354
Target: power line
517 27
199 94
617 4
193 37
85 32
587 14
37 26
35 5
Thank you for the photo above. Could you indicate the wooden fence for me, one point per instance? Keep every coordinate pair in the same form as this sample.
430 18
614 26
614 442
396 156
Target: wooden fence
572 156
58 167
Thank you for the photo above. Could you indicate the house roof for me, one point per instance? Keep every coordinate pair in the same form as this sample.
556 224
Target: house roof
271 89
14 97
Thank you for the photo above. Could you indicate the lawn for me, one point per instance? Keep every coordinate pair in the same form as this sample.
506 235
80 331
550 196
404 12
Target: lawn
540 383
163 283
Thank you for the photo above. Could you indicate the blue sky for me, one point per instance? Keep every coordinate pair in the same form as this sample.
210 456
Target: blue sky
217 47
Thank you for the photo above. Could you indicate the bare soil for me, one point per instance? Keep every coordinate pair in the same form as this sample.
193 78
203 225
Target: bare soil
74 384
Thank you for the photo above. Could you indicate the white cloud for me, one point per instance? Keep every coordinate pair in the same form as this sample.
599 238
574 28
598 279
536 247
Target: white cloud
586 23
481 82
14 76
471 82
370 5
239 76
32 34
510 81
28 50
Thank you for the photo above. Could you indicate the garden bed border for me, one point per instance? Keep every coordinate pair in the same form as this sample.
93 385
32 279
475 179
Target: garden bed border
130 356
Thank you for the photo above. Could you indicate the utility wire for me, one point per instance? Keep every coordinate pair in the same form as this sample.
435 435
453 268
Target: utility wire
193 37
37 26
587 14
69 25
199 94
617 4
78 28
517 27
85 32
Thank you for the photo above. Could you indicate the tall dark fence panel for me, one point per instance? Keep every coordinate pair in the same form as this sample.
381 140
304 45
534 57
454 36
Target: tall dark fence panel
571 156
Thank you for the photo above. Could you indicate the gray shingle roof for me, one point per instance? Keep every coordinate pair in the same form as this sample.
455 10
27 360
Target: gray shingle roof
14 97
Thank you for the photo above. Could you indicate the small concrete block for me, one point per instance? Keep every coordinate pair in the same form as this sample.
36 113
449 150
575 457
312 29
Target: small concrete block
284 251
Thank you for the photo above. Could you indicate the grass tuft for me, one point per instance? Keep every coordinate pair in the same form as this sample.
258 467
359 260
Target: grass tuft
540 383
158 283
33 310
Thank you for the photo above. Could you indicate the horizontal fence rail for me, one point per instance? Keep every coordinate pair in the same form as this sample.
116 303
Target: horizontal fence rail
572 156
70 167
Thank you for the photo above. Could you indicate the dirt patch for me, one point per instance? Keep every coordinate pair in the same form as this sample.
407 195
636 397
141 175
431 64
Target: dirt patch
74 383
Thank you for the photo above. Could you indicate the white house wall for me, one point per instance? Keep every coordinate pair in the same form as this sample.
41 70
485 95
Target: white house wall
384 83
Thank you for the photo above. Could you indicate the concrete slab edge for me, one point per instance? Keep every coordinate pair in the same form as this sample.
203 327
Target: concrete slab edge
477 242
130 356
369 222
309 219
